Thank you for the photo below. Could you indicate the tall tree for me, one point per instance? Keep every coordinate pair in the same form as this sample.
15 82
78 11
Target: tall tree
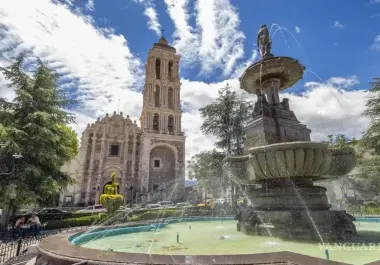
371 137
35 125
225 119
206 167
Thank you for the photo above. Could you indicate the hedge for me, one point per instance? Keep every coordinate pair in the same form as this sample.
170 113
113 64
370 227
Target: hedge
138 215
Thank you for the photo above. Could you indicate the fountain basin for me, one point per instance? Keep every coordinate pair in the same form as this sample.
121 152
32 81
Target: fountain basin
343 162
201 245
287 69
312 160
282 160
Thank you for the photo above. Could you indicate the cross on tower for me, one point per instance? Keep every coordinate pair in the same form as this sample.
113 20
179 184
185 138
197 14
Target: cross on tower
162 32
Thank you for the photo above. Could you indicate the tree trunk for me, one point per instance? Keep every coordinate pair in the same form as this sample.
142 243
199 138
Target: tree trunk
6 215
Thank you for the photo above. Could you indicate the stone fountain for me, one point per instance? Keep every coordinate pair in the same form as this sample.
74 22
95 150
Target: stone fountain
281 162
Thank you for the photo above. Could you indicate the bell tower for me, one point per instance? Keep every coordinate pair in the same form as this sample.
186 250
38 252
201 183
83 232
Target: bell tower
161 96
163 147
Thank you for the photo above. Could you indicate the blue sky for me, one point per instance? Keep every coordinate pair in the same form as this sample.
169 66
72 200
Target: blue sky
100 47
323 48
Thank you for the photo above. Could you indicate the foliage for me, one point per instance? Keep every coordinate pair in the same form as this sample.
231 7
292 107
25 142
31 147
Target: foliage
340 141
367 182
206 167
111 199
35 125
225 119
74 222
371 204
139 215
371 137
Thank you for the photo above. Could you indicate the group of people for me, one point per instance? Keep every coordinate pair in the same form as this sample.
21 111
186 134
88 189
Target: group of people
32 225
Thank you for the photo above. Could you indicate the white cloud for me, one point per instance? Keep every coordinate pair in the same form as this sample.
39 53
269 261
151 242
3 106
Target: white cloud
151 13
95 63
216 42
221 40
297 29
376 43
343 82
328 108
90 5
153 23
338 25
325 107
186 39
241 68
101 66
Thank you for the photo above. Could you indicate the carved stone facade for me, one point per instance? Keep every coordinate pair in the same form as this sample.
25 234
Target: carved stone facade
146 160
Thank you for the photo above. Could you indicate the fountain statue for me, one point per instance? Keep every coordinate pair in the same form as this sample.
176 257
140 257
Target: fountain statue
280 162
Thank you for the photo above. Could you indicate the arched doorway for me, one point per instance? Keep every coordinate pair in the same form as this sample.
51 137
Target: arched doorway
162 169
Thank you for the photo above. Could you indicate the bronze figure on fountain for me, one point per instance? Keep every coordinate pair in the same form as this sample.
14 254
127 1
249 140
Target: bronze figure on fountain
264 42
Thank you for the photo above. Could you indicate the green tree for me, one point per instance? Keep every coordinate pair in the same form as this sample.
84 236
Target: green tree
225 119
35 125
206 167
340 141
371 137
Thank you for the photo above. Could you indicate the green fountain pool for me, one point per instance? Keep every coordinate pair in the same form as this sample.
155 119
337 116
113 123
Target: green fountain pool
204 237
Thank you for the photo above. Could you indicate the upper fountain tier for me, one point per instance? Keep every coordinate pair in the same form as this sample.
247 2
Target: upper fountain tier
285 71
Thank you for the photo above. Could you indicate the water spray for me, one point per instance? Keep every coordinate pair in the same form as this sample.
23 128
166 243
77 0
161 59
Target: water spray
177 237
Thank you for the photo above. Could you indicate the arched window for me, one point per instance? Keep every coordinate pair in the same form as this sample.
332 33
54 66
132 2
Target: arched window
155 122
171 124
156 96
158 68
171 98
170 71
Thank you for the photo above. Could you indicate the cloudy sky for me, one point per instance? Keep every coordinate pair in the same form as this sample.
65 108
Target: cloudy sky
100 47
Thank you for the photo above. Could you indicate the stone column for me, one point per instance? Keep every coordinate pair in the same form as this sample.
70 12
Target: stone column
133 157
151 121
101 164
125 168
153 66
90 169
177 102
165 123
271 88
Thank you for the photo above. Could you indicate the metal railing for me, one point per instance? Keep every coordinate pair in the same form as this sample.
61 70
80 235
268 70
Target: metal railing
11 247
19 246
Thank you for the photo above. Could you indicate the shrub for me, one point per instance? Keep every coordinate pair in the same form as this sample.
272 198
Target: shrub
137 215
74 222
111 200
371 204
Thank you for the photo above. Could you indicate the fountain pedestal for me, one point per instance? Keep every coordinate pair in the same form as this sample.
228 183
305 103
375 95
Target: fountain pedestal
294 209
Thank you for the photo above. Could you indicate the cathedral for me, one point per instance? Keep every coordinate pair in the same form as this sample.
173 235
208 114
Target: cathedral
149 161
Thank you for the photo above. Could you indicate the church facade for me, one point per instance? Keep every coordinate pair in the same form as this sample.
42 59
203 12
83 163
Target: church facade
149 161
